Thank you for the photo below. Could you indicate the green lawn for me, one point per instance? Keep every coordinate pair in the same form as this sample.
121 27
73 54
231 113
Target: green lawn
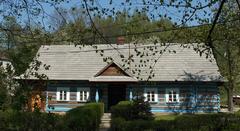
166 117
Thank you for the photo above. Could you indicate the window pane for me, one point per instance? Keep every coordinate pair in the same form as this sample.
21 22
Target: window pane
153 96
81 95
85 95
65 95
60 95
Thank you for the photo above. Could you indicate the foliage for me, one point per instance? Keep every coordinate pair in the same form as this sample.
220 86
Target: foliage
122 109
197 122
27 24
137 109
87 117
7 85
3 90
15 120
227 48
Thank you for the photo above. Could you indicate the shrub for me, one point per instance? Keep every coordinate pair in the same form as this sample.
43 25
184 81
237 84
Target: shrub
87 117
15 120
122 109
82 118
141 109
199 122
137 109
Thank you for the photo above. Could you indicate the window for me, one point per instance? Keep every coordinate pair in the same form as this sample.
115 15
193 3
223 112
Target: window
151 94
172 95
83 94
63 94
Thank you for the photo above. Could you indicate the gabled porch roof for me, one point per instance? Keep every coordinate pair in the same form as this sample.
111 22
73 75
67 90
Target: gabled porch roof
113 73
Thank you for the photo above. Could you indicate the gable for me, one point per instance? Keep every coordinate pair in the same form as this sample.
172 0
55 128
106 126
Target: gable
112 70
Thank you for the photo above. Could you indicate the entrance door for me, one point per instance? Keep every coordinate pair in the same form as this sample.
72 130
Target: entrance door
116 93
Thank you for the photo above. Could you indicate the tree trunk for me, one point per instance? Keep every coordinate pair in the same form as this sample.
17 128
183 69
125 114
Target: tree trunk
230 78
230 99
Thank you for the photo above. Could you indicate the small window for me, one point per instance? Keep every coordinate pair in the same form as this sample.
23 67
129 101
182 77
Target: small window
172 95
83 94
151 94
63 94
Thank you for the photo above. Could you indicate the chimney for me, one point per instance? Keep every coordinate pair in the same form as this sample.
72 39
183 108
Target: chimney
120 40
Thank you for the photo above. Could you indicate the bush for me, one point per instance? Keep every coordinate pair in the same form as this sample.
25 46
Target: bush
122 109
200 122
82 118
137 109
15 120
87 117
141 109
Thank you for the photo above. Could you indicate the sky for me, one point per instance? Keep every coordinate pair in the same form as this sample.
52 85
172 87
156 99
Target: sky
155 12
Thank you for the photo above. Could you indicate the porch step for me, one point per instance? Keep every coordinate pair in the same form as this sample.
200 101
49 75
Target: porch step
105 122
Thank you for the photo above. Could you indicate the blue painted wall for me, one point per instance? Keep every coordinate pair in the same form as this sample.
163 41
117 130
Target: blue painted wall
194 97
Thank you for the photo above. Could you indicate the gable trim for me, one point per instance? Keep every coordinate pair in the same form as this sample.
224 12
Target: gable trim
110 64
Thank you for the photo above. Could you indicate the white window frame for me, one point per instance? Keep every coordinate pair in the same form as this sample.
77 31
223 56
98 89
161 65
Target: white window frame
171 90
67 90
155 90
84 90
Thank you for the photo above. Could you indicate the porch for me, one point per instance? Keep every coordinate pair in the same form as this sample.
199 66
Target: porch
111 93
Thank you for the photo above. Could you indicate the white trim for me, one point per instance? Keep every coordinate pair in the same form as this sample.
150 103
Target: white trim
155 90
67 89
87 89
167 95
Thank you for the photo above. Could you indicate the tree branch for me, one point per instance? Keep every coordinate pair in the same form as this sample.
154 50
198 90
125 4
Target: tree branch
214 23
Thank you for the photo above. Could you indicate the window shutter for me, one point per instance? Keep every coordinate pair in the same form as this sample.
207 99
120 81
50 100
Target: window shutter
68 95
167 95
58 95
156 95
145 94
88 94
78 94
177 96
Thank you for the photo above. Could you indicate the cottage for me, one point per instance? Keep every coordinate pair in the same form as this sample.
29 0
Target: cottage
172 77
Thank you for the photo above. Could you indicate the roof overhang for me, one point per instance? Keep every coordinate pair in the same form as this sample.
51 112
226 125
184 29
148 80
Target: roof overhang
113 79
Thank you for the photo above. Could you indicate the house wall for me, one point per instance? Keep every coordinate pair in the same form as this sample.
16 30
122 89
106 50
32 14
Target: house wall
193 97
61 106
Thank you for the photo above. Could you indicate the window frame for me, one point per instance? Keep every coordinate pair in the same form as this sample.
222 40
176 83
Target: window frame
87 89
155 90
67 89
167 95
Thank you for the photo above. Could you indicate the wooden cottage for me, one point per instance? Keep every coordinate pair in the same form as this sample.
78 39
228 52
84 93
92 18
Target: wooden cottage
172 77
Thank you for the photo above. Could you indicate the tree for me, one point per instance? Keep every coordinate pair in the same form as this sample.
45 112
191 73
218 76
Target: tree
128 24
226 42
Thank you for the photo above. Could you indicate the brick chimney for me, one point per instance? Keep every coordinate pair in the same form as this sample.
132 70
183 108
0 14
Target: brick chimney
120 40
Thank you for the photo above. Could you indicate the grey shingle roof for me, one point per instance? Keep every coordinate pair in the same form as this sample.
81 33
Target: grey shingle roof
68 62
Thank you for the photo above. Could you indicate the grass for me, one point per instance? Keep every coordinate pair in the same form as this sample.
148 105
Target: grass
166 117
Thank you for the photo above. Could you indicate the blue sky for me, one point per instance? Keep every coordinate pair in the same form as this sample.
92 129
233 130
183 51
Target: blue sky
161 11
175 14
